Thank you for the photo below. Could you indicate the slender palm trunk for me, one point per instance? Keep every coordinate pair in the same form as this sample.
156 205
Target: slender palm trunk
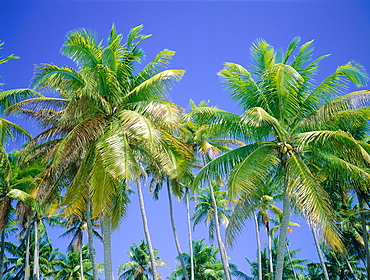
2 252
175 236
282 237
90 237
350 267
146 230
269 240
36 266
27 268
258 246
221 245
319 252
291 262
364 234
190 235
81 264
106 232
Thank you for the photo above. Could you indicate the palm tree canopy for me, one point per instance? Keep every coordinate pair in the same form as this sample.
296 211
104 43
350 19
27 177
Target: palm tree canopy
296 129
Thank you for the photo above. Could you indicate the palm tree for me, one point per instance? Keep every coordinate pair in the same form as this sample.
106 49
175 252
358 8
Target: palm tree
296 130
139 266
107 123
204 211
69 267
262 209
206 141
76 226
291 264
206 263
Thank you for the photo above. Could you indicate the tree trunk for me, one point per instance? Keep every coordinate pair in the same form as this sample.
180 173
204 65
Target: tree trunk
90 237
258 246
282 237
319 252
36 266
364 234
146 230
106 232
81 264
2 252
27 269
350 267
221 245
175 236
291 262
190 235
269 239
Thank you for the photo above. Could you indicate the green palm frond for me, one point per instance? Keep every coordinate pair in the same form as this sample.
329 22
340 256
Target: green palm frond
82 47
281 84
10 131
312 199
11 97
50 76
336 83
248 174
243 88
223 164
156 87
262 56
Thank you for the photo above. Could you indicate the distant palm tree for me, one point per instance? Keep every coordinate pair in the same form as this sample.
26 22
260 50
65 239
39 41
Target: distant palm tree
207 265
69 266
139 266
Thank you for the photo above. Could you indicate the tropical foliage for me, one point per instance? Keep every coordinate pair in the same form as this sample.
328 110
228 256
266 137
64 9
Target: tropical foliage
108 127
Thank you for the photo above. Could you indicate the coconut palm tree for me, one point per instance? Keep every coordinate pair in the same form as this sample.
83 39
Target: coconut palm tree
206 263
139 266
69 266
205 139
107 123
296 130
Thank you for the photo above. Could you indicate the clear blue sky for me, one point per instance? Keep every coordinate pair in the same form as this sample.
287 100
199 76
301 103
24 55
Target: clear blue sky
204 34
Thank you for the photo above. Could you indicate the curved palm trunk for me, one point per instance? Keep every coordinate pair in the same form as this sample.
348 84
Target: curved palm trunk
190 235
364 234
175 236
282 237
27 269
106 232
90 237
2 252
258 246
269 240
146 230
36 267
81 264
319 252
221 245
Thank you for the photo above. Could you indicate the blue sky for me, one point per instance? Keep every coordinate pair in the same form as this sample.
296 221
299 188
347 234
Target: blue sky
205 35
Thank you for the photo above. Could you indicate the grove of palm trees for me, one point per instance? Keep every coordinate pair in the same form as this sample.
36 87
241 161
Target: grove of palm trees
99 141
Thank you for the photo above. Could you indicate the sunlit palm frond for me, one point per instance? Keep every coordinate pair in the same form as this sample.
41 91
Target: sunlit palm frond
82 47
280 85
50 76
156 87
313 201
11 97
223 164
243 88
262 56
10 131
248 174
37 104
337 83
